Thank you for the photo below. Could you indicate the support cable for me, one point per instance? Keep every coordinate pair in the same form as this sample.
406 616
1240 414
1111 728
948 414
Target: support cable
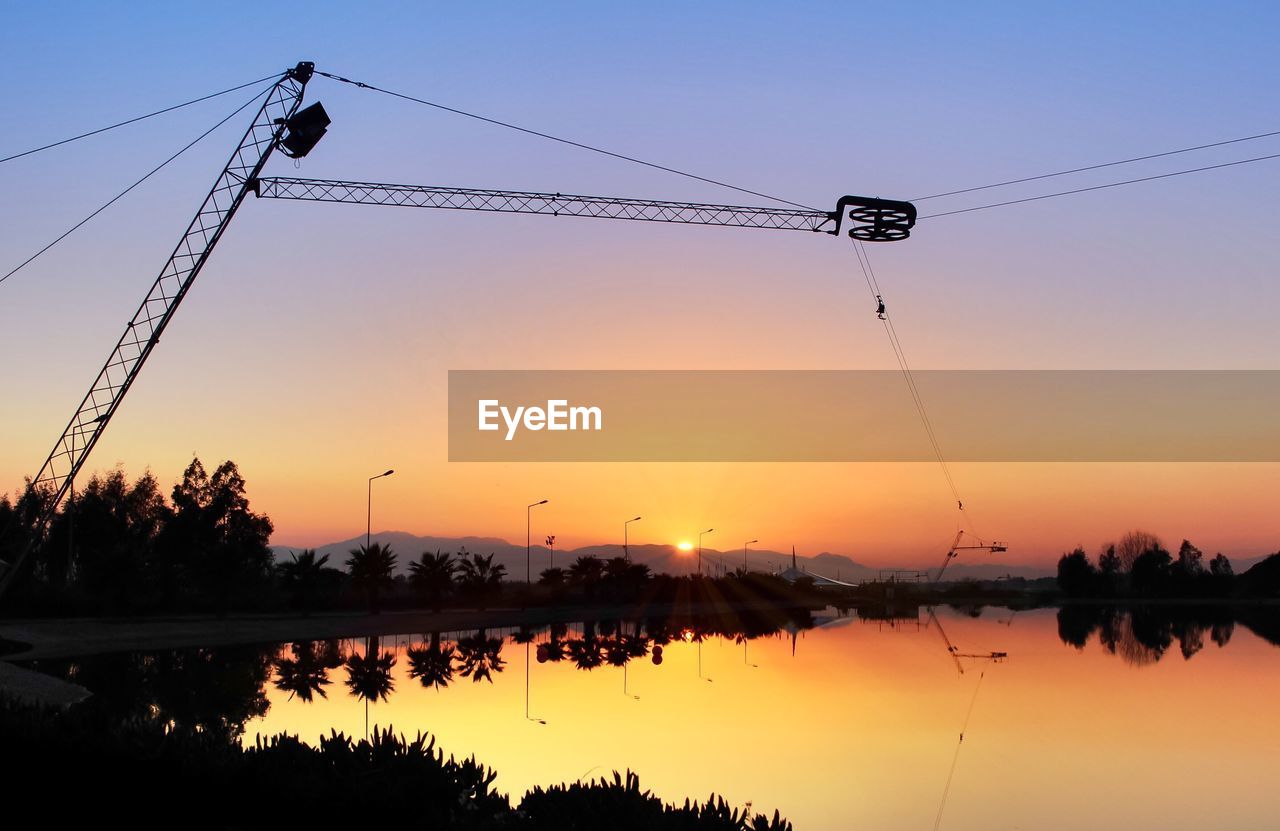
135 119
1103 187
561 140
1099 166
124 192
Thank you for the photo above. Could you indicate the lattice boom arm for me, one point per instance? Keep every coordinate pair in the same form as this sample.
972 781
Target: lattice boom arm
554 204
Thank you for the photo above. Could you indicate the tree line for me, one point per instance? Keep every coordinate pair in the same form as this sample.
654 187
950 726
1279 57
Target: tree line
1138 565
122 547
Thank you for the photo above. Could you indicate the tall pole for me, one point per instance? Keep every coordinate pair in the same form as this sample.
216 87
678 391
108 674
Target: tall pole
744 554
528 540
700 533
626 548
368 528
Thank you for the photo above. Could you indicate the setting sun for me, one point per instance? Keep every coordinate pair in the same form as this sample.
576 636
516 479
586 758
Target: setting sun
684 545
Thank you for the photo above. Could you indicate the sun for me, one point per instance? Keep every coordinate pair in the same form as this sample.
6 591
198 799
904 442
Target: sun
684 545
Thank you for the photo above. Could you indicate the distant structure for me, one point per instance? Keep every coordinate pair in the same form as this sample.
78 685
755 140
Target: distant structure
795 573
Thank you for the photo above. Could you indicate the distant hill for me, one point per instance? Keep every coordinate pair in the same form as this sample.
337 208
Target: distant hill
661 558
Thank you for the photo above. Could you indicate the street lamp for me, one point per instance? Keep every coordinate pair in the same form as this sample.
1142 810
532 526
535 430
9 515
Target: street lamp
700 533
626 549
528 539
744 554
368 530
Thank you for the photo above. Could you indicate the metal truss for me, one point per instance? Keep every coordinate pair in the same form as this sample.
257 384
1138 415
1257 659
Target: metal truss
553 204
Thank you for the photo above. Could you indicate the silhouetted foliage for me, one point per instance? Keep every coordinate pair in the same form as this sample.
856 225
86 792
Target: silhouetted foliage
369 675
1076 575
479 579
479 656
433 665
305 577
372 570
432 577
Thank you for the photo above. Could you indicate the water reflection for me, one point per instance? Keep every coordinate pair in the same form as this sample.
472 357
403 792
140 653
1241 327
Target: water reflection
1143 635
795 687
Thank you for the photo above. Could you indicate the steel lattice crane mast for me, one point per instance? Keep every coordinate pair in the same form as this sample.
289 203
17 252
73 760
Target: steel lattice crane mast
281 124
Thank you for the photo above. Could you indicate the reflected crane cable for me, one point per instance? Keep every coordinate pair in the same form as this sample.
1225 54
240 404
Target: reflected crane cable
127 190
561 140
946 790
1098 166
136 119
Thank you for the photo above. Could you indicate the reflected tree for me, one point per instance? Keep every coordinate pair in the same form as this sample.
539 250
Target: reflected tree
369 675
306 672
433 664
479 656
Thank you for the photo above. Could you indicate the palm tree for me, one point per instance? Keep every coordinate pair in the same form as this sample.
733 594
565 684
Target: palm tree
304 674
479 656
371 571
433 665
301 578
432 577
585 573
480 578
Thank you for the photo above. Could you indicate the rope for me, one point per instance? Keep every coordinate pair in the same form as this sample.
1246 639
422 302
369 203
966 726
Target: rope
122 193
873 285
134 120
946 791
561 140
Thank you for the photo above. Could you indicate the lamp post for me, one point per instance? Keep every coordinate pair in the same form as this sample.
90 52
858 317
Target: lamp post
528 539
368 529
744 554
626 549
700 533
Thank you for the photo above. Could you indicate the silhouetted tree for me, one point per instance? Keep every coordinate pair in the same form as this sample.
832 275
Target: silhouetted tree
372 571
1151 572
585 575
213 533
480 579
432 577
1220 566
1133 545
552 578
1190 560
1076 575
117 526
301 577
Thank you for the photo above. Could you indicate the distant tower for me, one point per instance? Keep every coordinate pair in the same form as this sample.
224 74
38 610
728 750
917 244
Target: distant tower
793 556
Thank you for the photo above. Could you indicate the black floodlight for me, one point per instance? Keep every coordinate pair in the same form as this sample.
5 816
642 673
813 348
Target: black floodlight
305 129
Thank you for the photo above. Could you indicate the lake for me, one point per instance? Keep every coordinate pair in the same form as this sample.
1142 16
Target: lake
1093 717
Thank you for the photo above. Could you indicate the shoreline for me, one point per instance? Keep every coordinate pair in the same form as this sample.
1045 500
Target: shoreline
42 638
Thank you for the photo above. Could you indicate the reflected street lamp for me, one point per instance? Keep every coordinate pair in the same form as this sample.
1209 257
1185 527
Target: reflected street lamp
368 529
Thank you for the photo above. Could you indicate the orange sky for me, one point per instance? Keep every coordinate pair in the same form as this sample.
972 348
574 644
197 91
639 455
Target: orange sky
314 348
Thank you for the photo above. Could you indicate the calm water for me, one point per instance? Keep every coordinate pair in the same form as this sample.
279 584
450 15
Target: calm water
1159 720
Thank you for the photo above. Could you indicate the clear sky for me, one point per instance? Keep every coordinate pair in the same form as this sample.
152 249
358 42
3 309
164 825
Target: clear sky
314 348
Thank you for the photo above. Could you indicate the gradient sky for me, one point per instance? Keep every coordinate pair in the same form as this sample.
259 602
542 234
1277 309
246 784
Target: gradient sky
314 347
